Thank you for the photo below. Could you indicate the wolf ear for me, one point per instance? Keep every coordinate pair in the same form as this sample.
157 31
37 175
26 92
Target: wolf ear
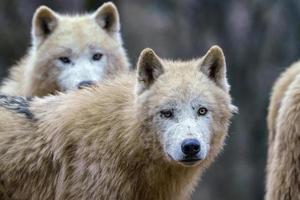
107 16
44 22
149 68
213 65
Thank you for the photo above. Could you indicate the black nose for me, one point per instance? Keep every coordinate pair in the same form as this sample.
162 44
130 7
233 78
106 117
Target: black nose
190 147
85 84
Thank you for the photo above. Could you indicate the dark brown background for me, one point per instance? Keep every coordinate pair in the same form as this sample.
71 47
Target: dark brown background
259 38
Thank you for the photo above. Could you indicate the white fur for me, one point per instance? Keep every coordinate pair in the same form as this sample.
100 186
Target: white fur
81 68
186 124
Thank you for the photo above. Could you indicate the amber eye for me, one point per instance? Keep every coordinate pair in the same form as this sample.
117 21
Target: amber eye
202 111
65 60
97 56
166 113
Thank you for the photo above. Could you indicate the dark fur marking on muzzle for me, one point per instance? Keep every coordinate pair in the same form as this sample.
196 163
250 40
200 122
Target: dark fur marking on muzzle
17 104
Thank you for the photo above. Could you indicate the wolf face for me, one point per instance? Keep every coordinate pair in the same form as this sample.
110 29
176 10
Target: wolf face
186 103
185 129
76 70
75 51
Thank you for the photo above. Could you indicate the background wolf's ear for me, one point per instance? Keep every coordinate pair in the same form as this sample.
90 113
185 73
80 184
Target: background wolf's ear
107 16
44 22
214 66
149 68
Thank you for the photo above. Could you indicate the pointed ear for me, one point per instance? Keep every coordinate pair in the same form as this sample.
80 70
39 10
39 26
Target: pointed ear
107 16
213 65
149 68
44 22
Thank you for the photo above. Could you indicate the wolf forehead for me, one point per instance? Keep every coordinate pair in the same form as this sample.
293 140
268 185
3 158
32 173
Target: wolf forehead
18 104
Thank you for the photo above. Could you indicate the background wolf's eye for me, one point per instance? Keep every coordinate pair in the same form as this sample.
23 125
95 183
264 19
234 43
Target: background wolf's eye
65 60
202 111
166 113
97 56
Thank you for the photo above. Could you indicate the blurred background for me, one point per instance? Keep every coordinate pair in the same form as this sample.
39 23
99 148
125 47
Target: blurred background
259 38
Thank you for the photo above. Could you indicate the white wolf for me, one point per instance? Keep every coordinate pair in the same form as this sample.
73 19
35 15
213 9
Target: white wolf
68 51
94 143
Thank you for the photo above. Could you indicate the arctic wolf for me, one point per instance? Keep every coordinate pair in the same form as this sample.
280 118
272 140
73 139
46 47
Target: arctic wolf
68 52
283 169
143 136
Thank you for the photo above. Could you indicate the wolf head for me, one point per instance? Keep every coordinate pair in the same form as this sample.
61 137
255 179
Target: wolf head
74 51
187 104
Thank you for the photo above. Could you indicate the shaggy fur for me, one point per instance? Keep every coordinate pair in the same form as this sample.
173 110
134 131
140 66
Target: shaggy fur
77 37
283 168
103 142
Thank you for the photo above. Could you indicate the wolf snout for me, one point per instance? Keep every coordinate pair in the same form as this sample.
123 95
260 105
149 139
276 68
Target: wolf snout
190 147
83 84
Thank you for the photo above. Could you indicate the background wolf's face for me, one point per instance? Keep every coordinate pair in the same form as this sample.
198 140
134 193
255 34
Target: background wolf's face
76 66
186 103
78 50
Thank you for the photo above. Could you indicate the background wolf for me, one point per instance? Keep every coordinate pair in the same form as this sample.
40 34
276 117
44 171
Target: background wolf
283 169
68 51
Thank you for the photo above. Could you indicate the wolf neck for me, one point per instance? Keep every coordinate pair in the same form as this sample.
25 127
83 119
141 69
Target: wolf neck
158 180
151 176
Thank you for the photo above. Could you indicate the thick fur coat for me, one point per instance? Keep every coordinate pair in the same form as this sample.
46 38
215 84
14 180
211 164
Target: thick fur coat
107 142
283 167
